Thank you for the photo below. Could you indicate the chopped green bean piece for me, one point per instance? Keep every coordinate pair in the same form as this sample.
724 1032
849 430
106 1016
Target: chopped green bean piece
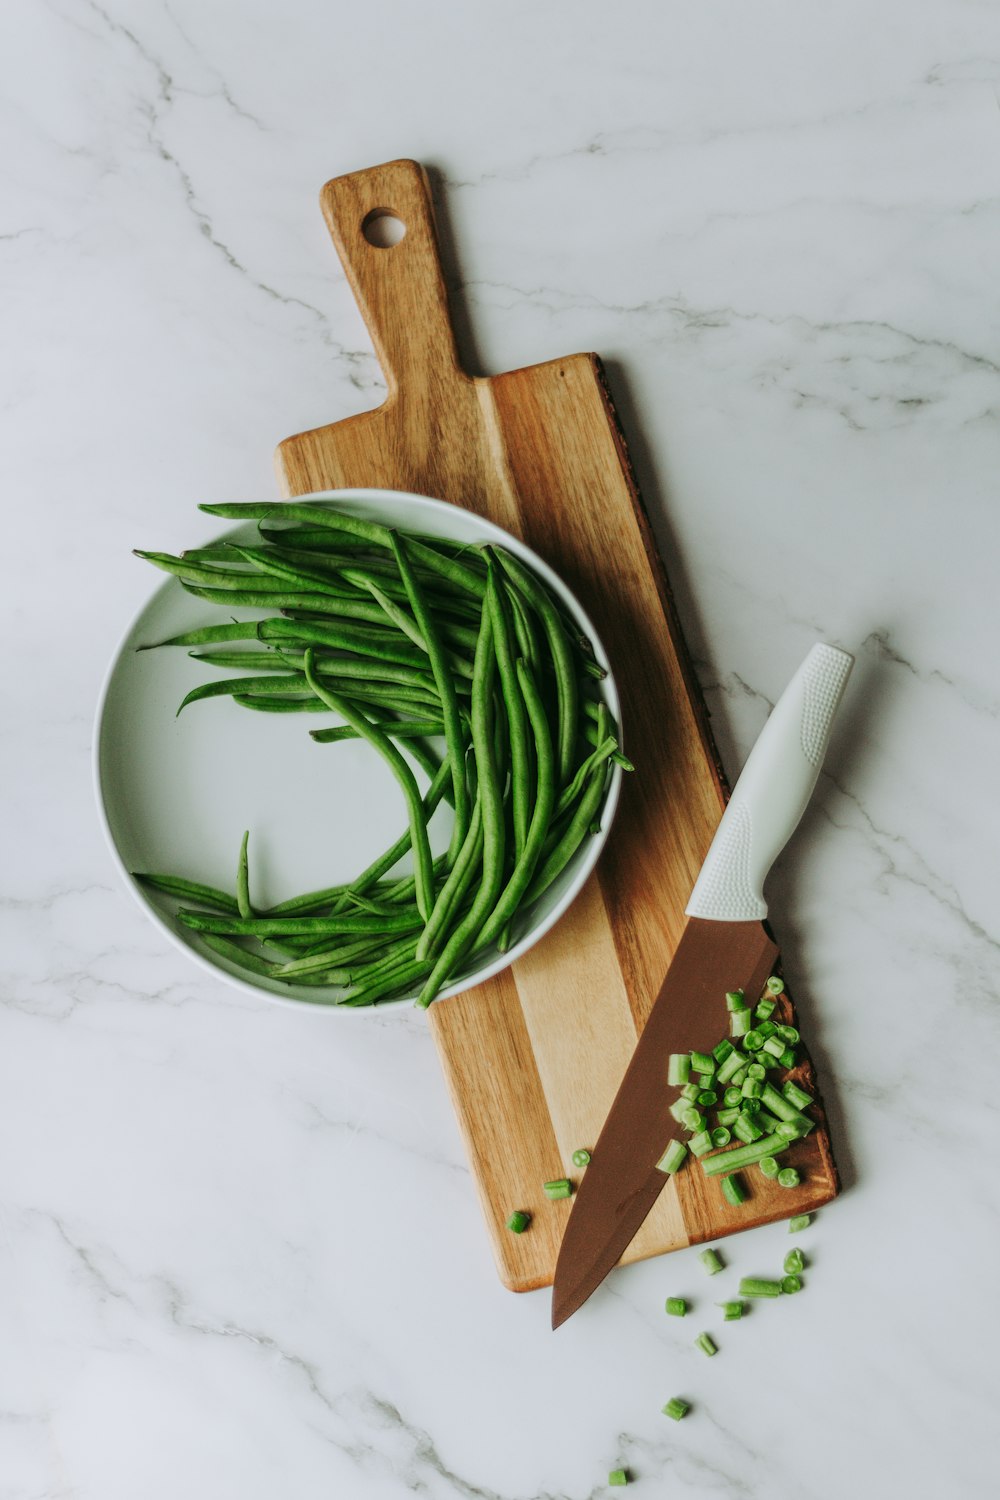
739 1023
693 1118
730 1064
679 1068
790 1284
560 1188
751 1106
768 1166
702 1062
787 1059
679 1109
731 1311
789 1033
742 1156
672 1158
721 1136
775 986
708 1097
706 1343
759 1286
753 1041
794 1263
677 1307
711 1261
618 1476
733 1190
690 1092
677 1408
581 1158
767 1028
518 1222
788 1177
735 1000
800 1221
721 1050
752 1087
796 1096
764 1010
774 1045
745 1128
700 1143
732 1096
726 1117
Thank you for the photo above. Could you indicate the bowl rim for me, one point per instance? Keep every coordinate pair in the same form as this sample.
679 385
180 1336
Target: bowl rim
215 964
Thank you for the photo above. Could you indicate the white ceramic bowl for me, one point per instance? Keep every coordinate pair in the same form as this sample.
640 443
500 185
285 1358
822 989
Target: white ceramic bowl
175 793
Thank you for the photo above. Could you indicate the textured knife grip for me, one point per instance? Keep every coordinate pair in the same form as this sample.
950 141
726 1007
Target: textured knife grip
772 792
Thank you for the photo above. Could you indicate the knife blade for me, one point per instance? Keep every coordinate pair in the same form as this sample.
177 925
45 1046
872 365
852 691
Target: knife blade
725 946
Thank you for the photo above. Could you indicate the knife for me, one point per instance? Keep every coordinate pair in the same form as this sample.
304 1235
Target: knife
725 946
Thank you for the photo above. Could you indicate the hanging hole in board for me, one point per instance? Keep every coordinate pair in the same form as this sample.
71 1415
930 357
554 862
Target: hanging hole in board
382 228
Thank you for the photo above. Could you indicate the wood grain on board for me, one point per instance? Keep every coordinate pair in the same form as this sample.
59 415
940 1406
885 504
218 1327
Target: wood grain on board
533 1058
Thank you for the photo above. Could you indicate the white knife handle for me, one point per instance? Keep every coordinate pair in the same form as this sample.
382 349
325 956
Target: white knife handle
773 791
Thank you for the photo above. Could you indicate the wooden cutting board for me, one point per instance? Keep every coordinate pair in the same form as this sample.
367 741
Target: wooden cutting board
533 1058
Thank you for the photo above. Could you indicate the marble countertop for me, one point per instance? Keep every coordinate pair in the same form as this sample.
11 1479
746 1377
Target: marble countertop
241 1254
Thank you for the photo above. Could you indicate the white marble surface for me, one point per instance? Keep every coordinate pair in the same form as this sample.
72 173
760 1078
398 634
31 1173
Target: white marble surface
241 1255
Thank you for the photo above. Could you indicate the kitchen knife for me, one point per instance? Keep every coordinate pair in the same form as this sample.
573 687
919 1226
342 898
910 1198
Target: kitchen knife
725 946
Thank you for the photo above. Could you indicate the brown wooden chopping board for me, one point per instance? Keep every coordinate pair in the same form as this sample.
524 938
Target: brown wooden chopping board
534 1057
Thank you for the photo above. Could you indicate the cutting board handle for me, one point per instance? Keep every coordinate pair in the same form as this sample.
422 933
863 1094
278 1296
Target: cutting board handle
399 287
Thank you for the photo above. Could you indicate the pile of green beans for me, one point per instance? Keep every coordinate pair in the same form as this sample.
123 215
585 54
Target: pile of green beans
461 655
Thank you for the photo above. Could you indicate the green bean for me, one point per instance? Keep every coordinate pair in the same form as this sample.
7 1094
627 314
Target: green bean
460 877
569 794
399 729
444 679
524 867
263 598
513 703
187 890
243 879
240 630
224 581
388 983
558 857
342 638
313 515
567 691
313 538
344 667
528 643
276 567
237 954
336 958
355 924
403 774
492 812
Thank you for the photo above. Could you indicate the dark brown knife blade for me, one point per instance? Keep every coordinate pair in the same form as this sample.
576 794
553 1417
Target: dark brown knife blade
622 1182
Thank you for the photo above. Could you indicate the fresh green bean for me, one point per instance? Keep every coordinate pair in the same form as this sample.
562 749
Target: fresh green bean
353 925
460 877
344 667
262 598
275 567
237 954
567 691
403 774
224 581
243 879
557 858
385 647
187 890
484 674
524 868
513 704
570 793
444 679
336 959
388 985
239 630
398 729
